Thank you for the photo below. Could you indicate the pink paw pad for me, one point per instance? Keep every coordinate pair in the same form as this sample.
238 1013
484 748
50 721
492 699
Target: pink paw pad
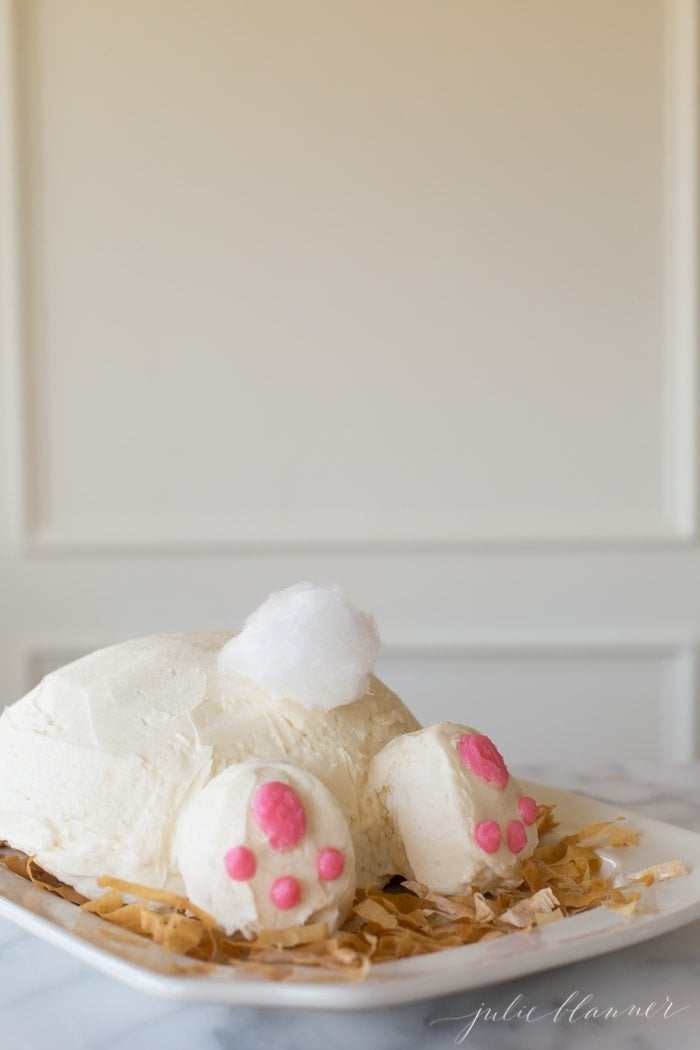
240 863
285 892
527 808
516 836
481 756
487 835
279 814
330 864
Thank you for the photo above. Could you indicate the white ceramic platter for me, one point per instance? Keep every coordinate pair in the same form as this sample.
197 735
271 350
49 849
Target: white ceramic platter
145 966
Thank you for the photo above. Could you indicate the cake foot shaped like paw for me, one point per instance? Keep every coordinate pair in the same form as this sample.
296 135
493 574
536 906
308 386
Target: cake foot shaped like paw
264 845
461 817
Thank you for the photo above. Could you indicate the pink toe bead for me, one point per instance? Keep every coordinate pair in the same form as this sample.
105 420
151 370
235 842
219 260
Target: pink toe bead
516 836
481 756
487 835
240 863
330 864
285 892
279 814
528 809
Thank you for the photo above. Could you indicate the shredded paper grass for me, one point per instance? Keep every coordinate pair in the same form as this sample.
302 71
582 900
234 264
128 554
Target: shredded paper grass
561 878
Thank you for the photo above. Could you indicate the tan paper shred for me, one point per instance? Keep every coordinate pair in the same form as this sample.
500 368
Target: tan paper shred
525 912
671 869
483 912
160 896
29 869
373 911
543 917
561 878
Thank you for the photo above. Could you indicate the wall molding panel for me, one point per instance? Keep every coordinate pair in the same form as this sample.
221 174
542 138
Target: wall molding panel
681 264
433 336
126 533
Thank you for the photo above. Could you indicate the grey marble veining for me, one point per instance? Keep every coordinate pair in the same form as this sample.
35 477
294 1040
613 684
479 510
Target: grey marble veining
49 1001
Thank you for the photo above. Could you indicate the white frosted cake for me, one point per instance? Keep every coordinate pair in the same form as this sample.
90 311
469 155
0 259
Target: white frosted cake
265 775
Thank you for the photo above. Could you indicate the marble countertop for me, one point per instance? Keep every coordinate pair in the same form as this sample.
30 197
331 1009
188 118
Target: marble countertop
49 1000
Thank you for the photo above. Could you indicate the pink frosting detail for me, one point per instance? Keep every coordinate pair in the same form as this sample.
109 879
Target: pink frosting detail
279 814
481 756
285 892
330 864
240 863
528 809
516 836
487 835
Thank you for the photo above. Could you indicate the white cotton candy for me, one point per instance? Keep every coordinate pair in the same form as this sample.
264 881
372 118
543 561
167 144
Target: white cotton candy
308 644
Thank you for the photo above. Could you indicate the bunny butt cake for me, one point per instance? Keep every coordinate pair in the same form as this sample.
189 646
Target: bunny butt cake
265 775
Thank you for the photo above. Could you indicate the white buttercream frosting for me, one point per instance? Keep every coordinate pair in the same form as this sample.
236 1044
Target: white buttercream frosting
436 804
98 762
146 761
221 817
308 644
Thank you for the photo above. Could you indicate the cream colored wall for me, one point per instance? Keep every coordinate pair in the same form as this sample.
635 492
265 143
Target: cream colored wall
394 293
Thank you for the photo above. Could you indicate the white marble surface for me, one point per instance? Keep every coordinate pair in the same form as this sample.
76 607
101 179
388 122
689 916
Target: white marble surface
48 1000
